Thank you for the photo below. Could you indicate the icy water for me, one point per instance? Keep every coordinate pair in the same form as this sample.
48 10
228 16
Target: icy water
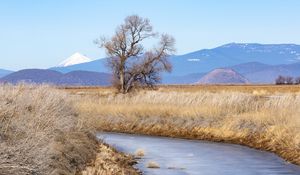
192 157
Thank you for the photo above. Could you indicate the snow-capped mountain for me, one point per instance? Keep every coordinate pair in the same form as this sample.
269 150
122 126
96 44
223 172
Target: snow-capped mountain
76 58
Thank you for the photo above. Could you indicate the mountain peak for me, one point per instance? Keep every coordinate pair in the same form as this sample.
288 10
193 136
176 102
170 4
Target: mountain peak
76 58
233 44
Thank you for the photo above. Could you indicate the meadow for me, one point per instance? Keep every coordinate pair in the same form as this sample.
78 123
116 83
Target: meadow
265 117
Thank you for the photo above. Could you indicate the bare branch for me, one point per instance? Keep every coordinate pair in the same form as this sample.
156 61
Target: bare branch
142 68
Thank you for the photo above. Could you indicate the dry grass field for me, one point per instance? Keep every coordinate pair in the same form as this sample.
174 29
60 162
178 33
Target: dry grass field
270 89
48 130
42 133
263 117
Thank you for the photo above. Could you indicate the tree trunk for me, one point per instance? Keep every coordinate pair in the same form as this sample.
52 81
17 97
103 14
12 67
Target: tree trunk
122 80
128 85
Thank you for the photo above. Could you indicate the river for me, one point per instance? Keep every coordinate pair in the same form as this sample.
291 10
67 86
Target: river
194 157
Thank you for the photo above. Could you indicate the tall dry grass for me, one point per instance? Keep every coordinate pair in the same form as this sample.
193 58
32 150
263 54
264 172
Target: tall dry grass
270 122
42 133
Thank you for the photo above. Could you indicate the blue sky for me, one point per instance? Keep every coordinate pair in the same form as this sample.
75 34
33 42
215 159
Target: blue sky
42 33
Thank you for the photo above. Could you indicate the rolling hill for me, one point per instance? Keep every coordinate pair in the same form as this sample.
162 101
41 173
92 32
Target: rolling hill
85 78
74 78
33 76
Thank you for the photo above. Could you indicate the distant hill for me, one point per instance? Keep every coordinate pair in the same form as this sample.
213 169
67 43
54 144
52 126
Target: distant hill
184 79
4 72
33 76
269 74
85 78
74 78
223 76
262 73
250 67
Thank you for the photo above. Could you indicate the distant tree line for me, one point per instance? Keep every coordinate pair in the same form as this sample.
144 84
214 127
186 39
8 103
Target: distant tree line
280 80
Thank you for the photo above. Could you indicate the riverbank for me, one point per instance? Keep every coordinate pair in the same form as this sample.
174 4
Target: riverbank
258 119
109 161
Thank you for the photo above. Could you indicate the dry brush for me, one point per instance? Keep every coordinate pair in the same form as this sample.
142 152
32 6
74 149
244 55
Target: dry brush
42 133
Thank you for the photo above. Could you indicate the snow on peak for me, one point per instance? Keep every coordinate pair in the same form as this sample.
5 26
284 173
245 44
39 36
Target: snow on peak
193 59
76 58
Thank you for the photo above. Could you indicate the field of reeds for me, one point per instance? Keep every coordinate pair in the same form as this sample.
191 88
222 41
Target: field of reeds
42 133
262 117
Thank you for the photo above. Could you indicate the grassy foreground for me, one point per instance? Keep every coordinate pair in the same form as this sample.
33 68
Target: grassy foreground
45 130
260 116
42 133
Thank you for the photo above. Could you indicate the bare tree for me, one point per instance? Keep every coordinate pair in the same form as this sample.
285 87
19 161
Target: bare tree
131 65
297 80
280 80
289 80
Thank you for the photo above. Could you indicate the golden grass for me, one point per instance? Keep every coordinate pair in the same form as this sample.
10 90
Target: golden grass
268 89
111 162
42 133
260 118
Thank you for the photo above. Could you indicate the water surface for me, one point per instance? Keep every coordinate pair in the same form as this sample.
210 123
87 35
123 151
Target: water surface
193 157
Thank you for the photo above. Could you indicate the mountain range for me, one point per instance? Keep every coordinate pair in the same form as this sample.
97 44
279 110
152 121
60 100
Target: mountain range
257 63
74 78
